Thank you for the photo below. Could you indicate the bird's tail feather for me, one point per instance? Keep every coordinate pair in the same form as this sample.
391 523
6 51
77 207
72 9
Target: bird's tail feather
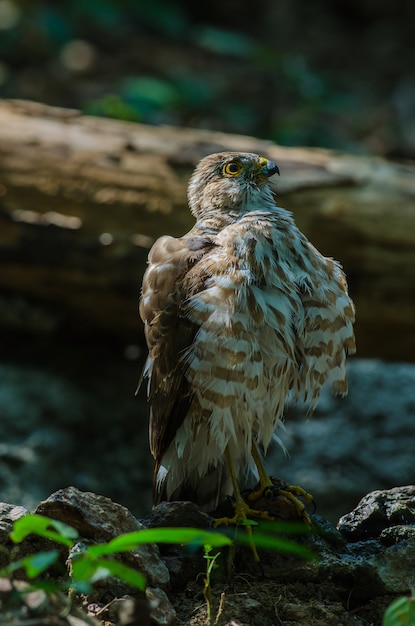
207 491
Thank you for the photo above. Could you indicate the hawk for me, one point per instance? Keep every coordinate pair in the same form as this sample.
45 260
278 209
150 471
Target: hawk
239 314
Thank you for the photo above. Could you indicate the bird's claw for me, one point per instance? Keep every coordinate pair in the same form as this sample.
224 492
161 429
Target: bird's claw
291 492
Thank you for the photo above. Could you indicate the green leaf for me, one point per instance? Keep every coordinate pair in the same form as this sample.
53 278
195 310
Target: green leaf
147 89
131 541
125 573
278 544
225 41
85 569
37 563
81 586
400 613
34 564
41 526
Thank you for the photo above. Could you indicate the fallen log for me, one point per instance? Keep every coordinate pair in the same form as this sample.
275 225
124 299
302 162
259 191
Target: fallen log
82 199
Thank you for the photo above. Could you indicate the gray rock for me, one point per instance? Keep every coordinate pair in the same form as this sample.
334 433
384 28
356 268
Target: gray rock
9 513
375 566
177 514
395 566
127 611
99 518
92 515
395 534
378 511
162 612
148 561
390 516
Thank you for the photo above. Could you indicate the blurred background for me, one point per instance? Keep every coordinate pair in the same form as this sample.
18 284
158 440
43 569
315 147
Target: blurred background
333 75
338 75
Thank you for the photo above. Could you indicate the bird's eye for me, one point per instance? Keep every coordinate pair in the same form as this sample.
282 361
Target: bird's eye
232 169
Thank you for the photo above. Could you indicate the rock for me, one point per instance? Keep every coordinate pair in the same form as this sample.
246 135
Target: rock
378 511
183 562
395 534
162 612
367 567
390 516
347 583
177 514
99 518
129 611
92 515
395 566
9 513
153 609
147 560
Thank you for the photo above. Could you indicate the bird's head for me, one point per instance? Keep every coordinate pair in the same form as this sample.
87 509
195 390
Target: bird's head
230 182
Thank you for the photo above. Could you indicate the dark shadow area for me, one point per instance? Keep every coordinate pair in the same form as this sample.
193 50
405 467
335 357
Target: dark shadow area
69 416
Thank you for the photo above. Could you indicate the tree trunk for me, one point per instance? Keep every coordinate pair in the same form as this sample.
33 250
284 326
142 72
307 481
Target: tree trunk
82 199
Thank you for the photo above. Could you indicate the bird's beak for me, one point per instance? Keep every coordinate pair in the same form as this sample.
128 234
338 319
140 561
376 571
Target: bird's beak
268 168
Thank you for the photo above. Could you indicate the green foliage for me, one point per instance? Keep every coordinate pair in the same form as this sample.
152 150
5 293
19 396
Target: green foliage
272 536
35 564
139 98
42 527
207 589
86 570
93 563
400 613
226 42
288 100
278 544
112 105
165 17
272 78
131 541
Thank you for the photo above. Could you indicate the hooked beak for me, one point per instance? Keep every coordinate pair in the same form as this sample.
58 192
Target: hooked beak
268 168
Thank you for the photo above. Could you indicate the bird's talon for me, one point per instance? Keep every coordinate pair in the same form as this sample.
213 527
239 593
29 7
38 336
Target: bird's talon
293 493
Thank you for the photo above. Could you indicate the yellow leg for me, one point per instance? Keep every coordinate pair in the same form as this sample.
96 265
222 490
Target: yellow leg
242 509
291 492
264 479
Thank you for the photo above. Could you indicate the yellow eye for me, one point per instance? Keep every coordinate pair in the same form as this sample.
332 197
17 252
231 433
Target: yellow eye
232 169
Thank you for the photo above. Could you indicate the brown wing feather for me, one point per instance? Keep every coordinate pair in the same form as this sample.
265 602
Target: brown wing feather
169 333
326 336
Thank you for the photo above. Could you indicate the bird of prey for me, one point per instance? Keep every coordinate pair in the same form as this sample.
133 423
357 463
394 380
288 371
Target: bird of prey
240 314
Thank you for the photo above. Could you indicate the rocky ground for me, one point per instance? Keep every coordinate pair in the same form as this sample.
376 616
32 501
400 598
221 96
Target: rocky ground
355 573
